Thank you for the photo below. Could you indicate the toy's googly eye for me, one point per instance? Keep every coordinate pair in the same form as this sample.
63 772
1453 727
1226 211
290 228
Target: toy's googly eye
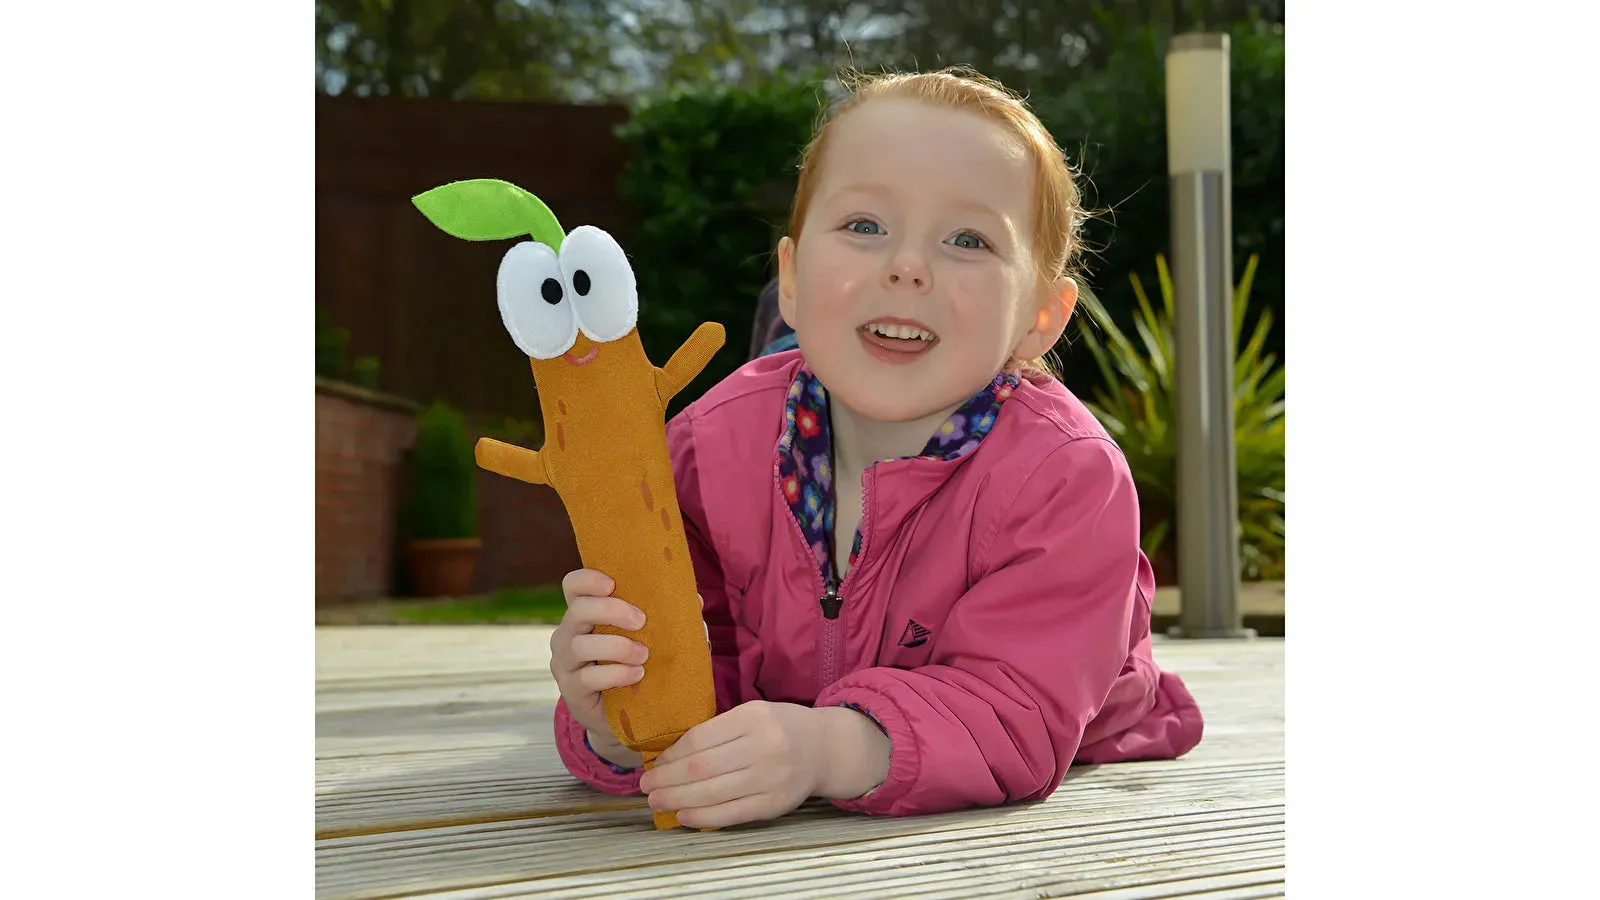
534 301
605 295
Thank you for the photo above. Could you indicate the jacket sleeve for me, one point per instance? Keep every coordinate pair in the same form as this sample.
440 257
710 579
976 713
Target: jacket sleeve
572 744
734 652
1028 654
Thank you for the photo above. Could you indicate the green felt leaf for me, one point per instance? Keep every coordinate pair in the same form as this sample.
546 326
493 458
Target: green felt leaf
488 209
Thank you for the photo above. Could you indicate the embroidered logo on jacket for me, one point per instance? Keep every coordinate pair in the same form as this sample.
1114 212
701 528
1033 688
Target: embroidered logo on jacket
914 635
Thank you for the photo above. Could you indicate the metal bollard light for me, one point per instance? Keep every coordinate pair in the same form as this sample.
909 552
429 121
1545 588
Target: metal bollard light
1199 168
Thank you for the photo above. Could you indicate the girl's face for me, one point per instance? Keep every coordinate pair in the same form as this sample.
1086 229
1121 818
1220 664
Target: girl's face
912 282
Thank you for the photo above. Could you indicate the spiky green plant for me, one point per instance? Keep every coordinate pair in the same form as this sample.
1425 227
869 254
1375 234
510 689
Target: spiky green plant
1138 405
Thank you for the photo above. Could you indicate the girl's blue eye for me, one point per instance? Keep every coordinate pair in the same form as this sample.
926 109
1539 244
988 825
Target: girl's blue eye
968 240
862 226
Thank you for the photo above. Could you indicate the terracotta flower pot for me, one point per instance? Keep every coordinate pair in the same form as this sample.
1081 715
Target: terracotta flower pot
442 567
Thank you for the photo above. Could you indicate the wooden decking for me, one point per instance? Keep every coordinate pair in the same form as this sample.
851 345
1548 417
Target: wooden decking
437 777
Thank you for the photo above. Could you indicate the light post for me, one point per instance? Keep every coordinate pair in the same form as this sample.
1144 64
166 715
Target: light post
1199 165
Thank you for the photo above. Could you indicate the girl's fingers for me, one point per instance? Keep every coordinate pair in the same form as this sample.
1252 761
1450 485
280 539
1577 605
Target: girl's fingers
583 613
722 759
710 792
586 583
606 676
749 808
607 648
721 729
577 626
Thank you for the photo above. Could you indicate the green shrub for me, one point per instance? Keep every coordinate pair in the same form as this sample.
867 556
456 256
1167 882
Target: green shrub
444 477
1137 403
711 172
364 372
333 351
333 343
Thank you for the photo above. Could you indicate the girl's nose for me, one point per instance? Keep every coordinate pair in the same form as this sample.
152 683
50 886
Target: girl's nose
906 271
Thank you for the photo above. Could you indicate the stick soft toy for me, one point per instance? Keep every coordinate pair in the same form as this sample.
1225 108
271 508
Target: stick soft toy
571 304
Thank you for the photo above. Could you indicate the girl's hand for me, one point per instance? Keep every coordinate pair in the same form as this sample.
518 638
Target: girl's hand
584 664
761 760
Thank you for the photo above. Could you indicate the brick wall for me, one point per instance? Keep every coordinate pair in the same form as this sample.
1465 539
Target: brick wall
362 443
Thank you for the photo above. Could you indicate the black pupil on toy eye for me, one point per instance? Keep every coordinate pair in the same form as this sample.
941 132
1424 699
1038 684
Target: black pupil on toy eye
551 291
580 283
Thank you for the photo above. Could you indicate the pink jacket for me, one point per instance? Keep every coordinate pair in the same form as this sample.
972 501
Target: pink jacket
996 624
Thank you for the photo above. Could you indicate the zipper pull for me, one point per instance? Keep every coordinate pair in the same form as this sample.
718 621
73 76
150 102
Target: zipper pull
831 601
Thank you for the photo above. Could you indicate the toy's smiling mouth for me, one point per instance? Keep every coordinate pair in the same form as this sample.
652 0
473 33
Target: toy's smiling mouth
594 350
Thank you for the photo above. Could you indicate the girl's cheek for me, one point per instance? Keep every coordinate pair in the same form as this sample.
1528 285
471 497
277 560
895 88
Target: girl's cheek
849 284
832 285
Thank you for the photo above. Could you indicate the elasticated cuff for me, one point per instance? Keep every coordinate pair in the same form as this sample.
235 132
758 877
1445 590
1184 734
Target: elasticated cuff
572 743
904 761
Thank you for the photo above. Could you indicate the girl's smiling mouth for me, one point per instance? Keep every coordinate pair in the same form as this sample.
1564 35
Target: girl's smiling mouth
896 340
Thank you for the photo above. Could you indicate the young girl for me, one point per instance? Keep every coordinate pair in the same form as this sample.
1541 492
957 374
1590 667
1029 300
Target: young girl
918 553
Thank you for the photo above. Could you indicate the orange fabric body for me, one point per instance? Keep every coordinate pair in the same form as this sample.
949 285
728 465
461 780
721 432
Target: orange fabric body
605 453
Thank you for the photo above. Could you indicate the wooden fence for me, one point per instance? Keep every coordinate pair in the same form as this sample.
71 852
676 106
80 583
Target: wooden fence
421 301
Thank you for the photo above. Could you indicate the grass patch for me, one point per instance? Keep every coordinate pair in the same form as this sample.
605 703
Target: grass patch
540 605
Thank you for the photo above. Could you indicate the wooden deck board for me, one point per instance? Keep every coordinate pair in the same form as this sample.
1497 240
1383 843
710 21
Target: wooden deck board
437 776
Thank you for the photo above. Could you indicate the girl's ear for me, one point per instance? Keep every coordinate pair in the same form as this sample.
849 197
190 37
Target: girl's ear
1049 321
786 248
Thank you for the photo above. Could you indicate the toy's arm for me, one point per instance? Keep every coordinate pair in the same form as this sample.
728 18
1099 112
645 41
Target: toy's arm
689 361
510 460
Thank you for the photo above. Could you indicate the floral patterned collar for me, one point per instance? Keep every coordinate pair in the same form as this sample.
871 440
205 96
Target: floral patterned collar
805 454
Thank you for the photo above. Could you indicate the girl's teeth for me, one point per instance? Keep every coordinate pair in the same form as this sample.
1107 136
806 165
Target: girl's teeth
903 332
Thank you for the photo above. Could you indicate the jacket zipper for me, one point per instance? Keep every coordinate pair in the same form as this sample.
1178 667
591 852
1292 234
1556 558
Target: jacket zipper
826 643
832 604
833 597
